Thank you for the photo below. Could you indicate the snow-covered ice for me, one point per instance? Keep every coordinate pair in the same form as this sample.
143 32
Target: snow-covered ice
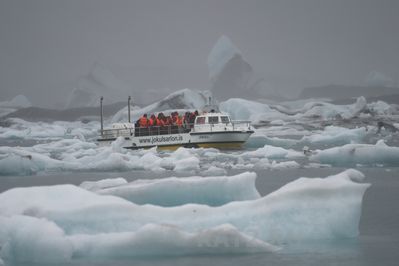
66 222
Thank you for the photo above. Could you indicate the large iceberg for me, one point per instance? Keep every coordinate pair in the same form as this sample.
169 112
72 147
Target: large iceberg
19 101
99 82
181 100
58 223
228 71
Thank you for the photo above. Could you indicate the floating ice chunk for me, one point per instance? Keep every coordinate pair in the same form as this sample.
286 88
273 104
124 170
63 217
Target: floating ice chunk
187 164
364 154
20 129
381 108
259 140
272 152
162 239
284 165
307 209
104 183
240 109
214 171
173 191
17 161
332 135
331 111
28 239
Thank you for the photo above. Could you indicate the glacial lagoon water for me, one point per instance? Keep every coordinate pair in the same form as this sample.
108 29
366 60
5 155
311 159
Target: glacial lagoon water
377 244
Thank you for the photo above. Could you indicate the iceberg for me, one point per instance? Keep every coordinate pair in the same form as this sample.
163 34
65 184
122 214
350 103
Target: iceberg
21 129
99 82
19 101
240 109
228 70
355 154
272 152
173 191
181 101
69 222
259 112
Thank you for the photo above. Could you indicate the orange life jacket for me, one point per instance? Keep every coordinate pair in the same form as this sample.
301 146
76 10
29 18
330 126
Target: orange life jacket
151 122
179 121
143 121
159 122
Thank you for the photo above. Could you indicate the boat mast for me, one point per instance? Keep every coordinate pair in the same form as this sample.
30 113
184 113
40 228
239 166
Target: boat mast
101 114
128 109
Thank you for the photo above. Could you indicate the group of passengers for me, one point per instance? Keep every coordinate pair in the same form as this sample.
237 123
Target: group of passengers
165 124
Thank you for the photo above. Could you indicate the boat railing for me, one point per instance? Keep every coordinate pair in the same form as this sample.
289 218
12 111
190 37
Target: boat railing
231 125
146 131
161 130
172 129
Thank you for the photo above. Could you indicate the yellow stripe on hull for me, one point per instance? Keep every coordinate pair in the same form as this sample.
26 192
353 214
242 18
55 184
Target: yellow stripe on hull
224 145
169 147
217 145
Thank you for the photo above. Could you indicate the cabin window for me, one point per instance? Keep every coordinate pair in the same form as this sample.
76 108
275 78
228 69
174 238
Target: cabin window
224 119
213 119
201 120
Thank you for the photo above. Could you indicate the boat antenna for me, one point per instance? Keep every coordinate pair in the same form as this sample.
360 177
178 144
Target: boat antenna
101 114
128 108
210 100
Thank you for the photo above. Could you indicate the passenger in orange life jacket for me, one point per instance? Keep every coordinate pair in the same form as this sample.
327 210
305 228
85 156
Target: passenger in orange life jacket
160 120
167 121
144 121
153 121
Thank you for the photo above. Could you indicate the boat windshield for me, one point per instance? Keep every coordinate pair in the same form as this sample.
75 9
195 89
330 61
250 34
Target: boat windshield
225 119
213 119
200 120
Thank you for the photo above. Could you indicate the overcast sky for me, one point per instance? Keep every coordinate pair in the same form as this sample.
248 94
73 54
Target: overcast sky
45 46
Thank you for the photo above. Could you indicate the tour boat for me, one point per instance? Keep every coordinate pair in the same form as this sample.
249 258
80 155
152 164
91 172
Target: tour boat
210 130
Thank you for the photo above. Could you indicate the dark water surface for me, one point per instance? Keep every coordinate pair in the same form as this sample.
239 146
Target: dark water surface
377 244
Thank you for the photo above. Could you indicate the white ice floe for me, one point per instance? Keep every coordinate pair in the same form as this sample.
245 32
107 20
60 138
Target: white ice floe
328 136
259 112
57 223
214 171
79 155
363 154
20 129
272 152
240 109
103 184
174 191
333 135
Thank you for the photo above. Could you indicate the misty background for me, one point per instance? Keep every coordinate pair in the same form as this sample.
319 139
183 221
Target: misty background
151 48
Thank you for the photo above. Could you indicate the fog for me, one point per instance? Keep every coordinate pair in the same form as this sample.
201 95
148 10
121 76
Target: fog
155 47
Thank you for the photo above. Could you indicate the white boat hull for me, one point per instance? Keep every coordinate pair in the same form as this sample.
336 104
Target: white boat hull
203 139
